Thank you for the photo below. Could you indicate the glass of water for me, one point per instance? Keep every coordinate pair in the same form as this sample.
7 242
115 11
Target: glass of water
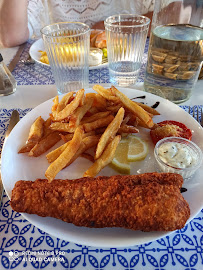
126 36
67 46
175 52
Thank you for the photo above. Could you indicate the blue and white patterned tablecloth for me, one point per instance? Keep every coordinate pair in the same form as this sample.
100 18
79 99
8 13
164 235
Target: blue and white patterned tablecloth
23 246
38 74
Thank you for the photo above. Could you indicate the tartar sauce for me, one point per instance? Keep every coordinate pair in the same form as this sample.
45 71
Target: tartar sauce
95 56
177 155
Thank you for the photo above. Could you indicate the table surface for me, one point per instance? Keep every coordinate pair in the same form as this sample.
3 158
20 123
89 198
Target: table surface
22 245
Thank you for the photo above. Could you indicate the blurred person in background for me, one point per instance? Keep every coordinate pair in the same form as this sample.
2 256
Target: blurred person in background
23 19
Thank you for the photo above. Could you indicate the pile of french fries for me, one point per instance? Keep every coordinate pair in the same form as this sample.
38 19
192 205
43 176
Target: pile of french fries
92 121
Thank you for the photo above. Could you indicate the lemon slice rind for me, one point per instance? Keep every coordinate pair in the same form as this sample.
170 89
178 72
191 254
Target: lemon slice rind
140 156
121 167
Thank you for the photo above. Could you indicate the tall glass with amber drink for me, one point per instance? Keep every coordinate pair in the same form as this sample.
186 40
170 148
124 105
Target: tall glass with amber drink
175 52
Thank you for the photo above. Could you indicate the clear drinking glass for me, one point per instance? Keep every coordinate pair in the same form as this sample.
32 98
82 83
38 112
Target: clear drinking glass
67 46
126 36
175 50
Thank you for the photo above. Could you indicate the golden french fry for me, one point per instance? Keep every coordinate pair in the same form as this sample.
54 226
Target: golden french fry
106 93
134 120
64 101
110 132
86 144
148 108
150 114
53 155
100 131
66 155
47 124
126 119
63 127
82 100
87 134
102 122
104 159
114 108
78 114
99 101
71 107
27 147
127 129
133 107
36 130
35 134
90 141
141 123
55 105
68 137
93 110
45 144
94 117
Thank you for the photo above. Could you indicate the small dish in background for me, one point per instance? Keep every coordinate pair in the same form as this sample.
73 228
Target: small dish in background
178 155
95 56
38 46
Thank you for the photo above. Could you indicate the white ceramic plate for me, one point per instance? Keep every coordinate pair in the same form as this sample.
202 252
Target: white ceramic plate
21 167
39 45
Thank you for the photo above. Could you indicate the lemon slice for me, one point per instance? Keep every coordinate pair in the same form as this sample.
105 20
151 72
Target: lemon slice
120 161
138 149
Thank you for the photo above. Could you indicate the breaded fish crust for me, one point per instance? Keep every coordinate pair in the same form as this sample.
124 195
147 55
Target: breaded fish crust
147 202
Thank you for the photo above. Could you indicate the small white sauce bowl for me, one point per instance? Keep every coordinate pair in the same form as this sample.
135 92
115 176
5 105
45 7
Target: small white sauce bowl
185 172
95 56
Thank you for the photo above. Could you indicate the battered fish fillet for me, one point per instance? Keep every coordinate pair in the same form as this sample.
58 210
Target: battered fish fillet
147 202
